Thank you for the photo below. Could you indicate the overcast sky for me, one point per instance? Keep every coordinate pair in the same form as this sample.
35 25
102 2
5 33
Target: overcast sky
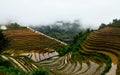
34 12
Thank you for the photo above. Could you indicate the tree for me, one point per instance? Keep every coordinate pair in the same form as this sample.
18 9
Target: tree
115 23
102 26
3 41
13 26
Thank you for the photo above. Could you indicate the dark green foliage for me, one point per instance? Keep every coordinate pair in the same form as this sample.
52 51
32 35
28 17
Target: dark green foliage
16 71
81 36
14 26
40 71
75 45
4 62
3 41
11 71
8 68
63 50
115 23
102 26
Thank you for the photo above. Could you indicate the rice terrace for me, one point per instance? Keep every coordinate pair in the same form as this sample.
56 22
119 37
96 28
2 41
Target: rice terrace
92 52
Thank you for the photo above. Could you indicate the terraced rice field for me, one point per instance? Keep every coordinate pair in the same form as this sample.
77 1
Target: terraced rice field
106 41
26 40
99 49
57 65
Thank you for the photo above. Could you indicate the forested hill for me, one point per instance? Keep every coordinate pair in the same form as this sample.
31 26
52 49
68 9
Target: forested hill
64 31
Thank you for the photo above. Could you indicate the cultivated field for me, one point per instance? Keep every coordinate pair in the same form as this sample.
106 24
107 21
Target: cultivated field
28 40
106 41
98 54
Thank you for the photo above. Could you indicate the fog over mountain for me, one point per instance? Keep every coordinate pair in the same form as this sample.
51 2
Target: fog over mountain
91 13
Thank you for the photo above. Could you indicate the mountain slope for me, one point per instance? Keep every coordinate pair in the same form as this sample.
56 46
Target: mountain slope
28 40
106 41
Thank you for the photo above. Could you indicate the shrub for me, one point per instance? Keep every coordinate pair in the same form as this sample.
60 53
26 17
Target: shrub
3 41
40 71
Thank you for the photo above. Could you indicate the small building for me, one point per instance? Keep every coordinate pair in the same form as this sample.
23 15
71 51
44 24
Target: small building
3 27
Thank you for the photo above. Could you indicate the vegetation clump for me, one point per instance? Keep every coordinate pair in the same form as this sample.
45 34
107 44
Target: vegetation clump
115 23
3 41
40 71
14 26
75 45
